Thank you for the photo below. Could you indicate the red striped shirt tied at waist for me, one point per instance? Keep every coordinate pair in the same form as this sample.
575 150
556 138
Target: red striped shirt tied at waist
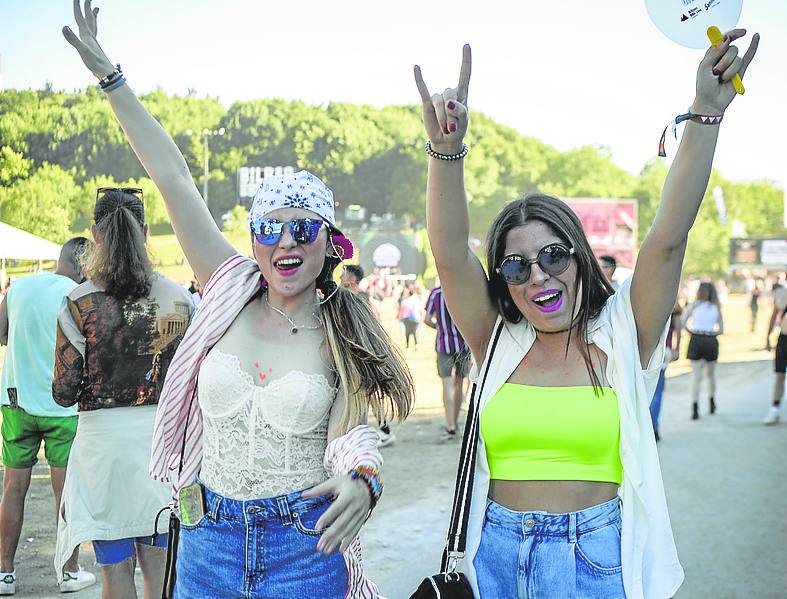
177 434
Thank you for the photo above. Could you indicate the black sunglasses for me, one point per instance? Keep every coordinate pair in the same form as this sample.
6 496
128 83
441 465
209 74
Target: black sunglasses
552 259
137 191
303 230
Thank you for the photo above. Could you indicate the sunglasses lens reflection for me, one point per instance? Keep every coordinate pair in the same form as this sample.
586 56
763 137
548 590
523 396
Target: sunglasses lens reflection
553 260
515 271
303 230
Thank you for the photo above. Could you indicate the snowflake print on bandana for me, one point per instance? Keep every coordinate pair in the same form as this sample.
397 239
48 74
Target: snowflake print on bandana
294 190
296 201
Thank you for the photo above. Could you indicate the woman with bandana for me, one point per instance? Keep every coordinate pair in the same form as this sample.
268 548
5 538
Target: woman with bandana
262 422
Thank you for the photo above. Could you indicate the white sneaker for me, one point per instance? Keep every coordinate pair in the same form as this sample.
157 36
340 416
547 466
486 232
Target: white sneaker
8 583
773 416
386 438
76 581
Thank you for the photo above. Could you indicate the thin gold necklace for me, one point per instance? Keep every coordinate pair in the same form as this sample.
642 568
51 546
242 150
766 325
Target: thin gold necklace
294 326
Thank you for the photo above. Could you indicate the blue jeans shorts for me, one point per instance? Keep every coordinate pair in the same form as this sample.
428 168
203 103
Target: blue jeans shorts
109 553
537 555
258 548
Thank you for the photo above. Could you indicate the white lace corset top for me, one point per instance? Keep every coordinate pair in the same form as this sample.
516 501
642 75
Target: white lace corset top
261 441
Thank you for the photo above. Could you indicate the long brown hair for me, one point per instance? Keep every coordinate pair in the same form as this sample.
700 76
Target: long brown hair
706 292
119 258
372 371
591 288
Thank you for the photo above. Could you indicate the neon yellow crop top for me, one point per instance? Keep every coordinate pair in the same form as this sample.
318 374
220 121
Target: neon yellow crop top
552 433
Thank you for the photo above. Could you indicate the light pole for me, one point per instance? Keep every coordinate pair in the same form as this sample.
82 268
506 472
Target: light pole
206 133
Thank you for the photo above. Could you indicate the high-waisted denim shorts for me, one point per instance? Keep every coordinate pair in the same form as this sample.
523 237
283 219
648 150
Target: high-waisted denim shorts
537 555
258 548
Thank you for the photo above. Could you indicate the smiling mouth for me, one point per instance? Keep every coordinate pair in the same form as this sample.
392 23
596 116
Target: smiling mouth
287 265
549 302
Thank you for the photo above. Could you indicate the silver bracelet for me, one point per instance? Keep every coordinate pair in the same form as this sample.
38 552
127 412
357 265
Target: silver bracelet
428 149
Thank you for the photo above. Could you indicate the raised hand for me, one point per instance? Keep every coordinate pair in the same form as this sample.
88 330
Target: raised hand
345 516
445 115
86 43
714 75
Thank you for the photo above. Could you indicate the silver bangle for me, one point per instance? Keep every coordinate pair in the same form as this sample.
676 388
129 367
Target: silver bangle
428 149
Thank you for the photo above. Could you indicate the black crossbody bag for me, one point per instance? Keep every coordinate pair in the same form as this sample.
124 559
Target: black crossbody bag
448 583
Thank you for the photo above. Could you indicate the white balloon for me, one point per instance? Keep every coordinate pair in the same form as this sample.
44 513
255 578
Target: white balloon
686 21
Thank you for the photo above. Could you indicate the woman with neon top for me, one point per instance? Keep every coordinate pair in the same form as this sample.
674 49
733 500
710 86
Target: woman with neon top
565 430
262 422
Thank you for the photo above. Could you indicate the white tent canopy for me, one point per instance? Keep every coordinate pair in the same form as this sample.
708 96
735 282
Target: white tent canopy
16 244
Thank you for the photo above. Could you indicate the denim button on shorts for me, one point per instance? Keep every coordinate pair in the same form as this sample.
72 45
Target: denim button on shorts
258 548
536 555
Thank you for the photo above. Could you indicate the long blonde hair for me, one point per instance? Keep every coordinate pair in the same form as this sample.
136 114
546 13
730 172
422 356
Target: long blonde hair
372 371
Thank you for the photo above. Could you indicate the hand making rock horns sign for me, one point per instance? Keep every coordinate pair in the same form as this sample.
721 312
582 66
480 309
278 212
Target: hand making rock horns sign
445 115
714 77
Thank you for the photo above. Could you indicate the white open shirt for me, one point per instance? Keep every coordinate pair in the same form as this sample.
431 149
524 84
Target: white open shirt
651 569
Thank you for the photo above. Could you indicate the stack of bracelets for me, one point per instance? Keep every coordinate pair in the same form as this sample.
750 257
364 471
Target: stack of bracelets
112 81
371 478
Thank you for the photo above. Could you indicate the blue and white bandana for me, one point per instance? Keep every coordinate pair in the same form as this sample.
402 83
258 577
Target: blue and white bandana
294 190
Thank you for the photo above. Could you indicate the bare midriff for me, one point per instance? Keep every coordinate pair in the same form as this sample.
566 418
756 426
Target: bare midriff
553 496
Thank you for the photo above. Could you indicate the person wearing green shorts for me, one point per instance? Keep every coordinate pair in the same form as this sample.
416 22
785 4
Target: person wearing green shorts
28 323
23 434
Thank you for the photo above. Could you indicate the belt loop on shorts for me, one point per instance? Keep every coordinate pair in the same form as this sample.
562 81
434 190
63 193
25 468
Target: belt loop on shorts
572 527
284 510
215 503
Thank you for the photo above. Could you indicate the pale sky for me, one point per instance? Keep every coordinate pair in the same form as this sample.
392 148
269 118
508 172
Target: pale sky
568 72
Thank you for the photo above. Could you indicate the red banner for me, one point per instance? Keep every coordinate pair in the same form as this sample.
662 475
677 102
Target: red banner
610 225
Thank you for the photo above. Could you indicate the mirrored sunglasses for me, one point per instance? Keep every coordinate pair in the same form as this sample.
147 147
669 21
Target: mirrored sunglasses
268 231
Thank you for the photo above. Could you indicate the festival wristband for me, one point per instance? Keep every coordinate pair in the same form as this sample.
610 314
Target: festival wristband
702 119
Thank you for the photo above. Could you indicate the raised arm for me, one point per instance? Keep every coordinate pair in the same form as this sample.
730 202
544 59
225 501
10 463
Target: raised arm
462 277
657 273
202 242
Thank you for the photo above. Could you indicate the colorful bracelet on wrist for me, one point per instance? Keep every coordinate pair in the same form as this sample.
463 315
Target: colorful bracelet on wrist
428 149
113 80
371 478
701 119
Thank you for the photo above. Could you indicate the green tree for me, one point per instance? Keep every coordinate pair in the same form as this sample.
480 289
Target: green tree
41 204
13 165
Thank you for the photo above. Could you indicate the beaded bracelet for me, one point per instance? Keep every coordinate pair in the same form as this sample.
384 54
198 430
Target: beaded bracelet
371 478
702 119
105 82
428 149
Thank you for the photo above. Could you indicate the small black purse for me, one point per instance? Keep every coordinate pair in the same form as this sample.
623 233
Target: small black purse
448 583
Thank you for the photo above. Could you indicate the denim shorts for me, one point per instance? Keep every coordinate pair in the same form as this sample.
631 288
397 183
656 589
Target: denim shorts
258 548
109 553
536 555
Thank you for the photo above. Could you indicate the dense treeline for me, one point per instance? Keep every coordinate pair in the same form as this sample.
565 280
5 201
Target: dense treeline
56 148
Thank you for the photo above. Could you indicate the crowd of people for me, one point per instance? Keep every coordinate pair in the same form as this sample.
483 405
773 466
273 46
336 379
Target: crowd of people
247 418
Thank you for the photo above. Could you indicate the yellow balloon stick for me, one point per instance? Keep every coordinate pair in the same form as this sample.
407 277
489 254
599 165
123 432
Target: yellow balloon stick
716 38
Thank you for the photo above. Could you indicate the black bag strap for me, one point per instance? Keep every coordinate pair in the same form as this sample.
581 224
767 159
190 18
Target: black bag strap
463 489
